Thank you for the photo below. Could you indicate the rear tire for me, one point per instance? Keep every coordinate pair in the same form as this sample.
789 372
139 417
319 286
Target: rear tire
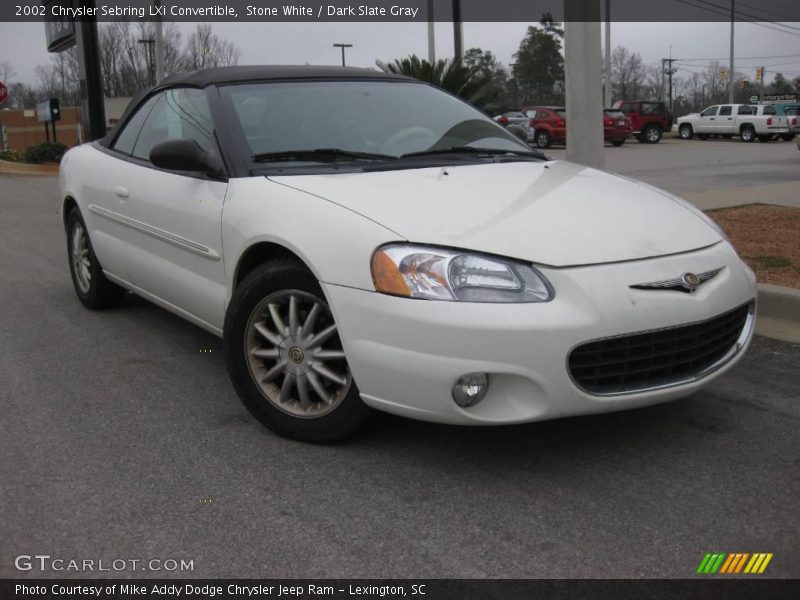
652 134
764 138
702 136
747 134
787 137
686 132
297 387
91 286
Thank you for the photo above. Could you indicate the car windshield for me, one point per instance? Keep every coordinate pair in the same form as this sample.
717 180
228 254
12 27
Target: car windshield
312 121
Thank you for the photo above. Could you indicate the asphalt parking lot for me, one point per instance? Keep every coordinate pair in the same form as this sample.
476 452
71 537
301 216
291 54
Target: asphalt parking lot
694 166
121 437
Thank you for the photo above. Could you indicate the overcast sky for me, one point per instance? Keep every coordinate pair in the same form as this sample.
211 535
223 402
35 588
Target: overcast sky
23 44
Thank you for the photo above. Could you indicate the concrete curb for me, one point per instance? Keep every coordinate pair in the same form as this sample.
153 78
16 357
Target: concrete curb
14 168
777 302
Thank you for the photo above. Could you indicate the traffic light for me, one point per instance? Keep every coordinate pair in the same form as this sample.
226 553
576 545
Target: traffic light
723 73
759 73
744 84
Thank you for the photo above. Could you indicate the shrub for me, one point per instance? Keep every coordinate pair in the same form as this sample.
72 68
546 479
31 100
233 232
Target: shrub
11 155
45 152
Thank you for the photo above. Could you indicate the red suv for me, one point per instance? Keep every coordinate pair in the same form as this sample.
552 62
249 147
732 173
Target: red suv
548 126
649 119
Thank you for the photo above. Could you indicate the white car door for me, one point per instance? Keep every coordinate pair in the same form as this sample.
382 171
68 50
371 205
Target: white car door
725 120
707 120
170 222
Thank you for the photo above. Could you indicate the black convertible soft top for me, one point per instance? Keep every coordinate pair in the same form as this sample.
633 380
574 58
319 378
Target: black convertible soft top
223 75
261 73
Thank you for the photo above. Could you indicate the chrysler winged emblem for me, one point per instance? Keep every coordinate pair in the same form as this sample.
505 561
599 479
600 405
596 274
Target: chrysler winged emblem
688 282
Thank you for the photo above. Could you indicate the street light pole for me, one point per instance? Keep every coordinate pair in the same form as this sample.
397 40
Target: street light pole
730 69
343 46
159 26
431 34
149 42
458 31
607 89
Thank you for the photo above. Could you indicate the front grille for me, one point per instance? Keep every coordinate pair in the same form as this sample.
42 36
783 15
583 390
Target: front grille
650 359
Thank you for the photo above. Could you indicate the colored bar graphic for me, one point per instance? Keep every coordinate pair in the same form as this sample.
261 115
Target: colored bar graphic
703 563
726 566
741 562
720 562
765 563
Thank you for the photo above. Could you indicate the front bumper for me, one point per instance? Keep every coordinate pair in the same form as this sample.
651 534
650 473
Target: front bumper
406 354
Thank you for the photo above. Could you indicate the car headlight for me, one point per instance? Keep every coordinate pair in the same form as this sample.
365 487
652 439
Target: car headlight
439 274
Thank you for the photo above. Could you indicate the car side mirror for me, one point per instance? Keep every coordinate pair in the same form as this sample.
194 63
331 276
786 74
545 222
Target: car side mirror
185 155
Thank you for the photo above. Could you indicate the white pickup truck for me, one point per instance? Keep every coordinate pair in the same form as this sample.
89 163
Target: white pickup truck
748 121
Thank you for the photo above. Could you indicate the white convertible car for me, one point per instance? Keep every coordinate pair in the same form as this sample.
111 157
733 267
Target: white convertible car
363 241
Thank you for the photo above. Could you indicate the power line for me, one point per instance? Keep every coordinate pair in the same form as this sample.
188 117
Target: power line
727 14
756 19
738 58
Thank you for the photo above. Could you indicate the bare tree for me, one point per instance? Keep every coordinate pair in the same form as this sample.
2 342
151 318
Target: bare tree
204 49
627 73
7 72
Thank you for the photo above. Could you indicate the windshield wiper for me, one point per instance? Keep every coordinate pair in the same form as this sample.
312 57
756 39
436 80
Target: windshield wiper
320 155
473 151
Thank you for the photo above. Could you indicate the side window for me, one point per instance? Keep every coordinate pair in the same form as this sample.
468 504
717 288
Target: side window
709 112
725 110
745 109
628 107
652 108
178 113
126 139
769 110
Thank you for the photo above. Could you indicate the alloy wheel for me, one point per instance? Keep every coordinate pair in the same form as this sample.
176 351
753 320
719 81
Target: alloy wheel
81 261
295 356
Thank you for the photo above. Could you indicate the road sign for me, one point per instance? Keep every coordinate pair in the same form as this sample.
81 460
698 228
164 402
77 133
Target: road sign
3 93
60 31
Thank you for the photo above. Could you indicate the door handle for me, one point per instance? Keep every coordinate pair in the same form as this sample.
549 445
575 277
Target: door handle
121 191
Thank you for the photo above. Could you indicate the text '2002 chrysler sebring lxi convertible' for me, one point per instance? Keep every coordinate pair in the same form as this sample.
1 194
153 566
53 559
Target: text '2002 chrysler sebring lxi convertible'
362 240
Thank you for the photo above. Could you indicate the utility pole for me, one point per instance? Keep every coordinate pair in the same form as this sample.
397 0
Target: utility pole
431 34
159 26
730 69
583 62
607 94
343 46
669 72
458 31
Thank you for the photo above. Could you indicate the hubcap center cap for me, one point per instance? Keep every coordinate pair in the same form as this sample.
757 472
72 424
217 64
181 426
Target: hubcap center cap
296 355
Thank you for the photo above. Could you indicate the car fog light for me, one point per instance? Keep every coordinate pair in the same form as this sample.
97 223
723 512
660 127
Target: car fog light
470 389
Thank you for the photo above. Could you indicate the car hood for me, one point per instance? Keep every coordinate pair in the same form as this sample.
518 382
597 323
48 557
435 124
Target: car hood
550 213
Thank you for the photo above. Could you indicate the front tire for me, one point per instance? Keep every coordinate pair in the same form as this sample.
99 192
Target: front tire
542 139
686 132
91 286
285 357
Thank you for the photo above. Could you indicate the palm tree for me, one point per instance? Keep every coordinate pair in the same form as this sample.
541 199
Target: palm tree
452 75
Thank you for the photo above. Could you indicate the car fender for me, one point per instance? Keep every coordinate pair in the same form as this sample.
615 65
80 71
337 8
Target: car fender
258 210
